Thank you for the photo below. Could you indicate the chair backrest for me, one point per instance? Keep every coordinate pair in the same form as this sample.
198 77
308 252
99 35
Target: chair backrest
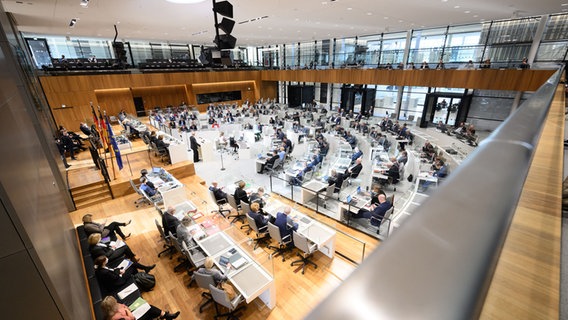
274 233
161 230
232 201
175 242
245 207
344 184
220 296
329 191
197 258
252 223
135 187
302 243
203 280
401 170
388 213
212 195
276 164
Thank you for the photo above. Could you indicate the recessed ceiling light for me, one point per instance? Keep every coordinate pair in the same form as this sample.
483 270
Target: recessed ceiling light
475 16
324 2
467 11
349 8
369 13
564 5
400 21
386 18
456 7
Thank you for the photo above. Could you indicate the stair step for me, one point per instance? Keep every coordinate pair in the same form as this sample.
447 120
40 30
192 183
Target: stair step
92 202
91 195
90 186
94 190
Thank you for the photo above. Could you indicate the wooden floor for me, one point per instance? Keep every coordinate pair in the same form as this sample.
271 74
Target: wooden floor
526 284
296 293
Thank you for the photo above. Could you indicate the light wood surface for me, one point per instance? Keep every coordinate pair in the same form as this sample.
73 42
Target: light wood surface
526 282
296 294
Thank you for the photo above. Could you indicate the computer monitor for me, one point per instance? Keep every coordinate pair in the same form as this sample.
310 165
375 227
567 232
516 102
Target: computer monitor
349 199
156 170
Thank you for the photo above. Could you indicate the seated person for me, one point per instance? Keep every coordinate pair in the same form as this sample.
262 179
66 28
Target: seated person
442 127
98 248
113 279
105 230
233 144
270 161
354 171
256 197
375 192
182 232
299 178
148 187
85 129
356 155
377 211
118 311
208 268
169 221
241 194
428 150
219 194
335 179
286 224
258 218
402 157
441 169
392 172
282 154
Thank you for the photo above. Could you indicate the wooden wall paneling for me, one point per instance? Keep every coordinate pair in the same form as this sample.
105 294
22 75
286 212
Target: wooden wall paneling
161 96
114 100
269 89
71 117
248 89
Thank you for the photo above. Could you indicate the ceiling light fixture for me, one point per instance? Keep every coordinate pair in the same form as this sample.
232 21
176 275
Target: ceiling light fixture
72 23
185 1
84 3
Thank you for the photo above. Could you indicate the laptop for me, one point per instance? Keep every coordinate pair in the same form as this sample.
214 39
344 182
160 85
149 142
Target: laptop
156 170
351 201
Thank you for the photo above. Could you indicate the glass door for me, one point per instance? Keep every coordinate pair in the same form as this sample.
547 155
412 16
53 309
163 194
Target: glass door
40 51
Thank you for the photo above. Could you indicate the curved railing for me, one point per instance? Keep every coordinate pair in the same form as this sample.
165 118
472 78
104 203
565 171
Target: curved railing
439 264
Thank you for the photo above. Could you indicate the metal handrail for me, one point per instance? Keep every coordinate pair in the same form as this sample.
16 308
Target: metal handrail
439 264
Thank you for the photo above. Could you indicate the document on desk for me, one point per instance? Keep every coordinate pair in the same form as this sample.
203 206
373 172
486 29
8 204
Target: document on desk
117 244
127 291
139 312
125 264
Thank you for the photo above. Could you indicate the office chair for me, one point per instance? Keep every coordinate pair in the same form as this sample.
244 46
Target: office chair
183 261
195 256
282 242
143 198
219 203
233 203
220 297
245 209
328 194
261 233
169 248
307 249
203 282
275 165
376 222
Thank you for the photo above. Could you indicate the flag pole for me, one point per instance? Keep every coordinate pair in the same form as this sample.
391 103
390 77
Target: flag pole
110 147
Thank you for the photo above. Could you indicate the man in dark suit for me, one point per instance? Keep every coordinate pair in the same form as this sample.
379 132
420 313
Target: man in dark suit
354 171
286 224
241 194
169 221
377 211
113 279
337 179
218 192
270 162
194 146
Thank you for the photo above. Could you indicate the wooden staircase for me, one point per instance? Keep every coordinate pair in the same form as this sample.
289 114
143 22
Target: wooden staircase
90 194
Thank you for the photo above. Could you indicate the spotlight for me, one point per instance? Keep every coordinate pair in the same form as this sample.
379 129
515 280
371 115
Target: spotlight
84 3
72 23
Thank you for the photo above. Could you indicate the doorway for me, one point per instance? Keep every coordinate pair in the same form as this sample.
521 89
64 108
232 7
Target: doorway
139 105
448 108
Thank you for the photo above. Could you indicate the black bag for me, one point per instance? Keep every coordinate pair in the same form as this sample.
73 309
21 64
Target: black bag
144 281
410 178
